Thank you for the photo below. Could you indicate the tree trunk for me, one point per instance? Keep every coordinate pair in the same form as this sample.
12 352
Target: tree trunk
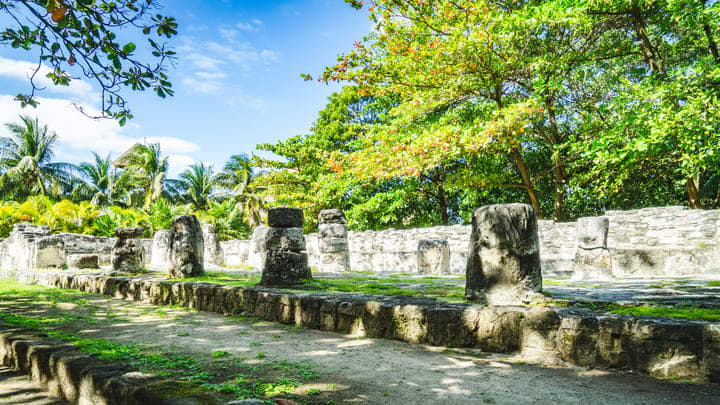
648 50
527 182
693 194
560 178
444 218
711 43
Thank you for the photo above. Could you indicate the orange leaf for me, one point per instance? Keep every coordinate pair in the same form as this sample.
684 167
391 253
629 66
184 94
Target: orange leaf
58 14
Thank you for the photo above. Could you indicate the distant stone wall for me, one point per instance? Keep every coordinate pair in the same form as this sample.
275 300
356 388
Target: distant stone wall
664 241
395 250
235 252
29 247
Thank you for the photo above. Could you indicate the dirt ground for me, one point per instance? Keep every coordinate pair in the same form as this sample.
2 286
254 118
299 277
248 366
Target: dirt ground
350 370
17 388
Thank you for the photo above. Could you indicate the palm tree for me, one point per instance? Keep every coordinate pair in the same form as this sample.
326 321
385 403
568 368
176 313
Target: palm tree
237 179
26 161
198 181
103 183
147 169
236 174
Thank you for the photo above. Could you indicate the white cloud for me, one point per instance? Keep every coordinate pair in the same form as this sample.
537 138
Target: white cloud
78 135
252 25
205 62
228 34
178 163
78 89
211 87
211 75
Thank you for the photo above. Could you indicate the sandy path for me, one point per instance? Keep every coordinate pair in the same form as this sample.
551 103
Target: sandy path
375 371
17 388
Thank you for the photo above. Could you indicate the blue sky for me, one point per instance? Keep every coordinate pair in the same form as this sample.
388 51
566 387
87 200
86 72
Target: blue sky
237 82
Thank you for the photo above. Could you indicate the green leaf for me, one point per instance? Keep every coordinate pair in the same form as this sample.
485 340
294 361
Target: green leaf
128 48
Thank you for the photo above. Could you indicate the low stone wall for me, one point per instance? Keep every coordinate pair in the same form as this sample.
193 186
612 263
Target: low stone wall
81 378
649 242
235 252
661 347
33 247
396 250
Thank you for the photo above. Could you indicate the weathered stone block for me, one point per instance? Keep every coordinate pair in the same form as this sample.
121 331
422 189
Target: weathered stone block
128 255
83 261
592 232
433 256
213 254
332 245
331 216
285 218
504 258
332 231
186 248
282 268
592 264
291 239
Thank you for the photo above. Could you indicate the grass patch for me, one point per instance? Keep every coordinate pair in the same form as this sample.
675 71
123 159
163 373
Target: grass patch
218 373
221 277
432 286
687 312
714 283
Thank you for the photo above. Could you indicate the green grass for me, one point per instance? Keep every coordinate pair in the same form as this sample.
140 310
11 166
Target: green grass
269 378
221 277
687 312
714 283
434 287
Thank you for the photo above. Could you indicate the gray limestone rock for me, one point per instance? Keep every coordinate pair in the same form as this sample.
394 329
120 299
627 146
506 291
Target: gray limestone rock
433 256
504 256
332 231
592 264
283 268
285 218
129 232
213 254
332 242
332 245
291 239
83 261
127 255
160 245
592 232
332 216
186 248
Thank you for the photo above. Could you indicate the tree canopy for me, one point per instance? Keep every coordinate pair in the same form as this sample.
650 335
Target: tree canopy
543 96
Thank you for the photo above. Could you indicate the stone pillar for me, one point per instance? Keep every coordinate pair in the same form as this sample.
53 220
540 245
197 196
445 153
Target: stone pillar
333 242
592 257
504 256
160 245
256 248
213 254
127 255
185 248
282 248
433 256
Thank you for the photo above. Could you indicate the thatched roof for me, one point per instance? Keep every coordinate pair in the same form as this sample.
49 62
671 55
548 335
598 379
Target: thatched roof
122 160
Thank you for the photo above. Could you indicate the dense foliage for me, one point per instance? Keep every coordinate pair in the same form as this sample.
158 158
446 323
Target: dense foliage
582 105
